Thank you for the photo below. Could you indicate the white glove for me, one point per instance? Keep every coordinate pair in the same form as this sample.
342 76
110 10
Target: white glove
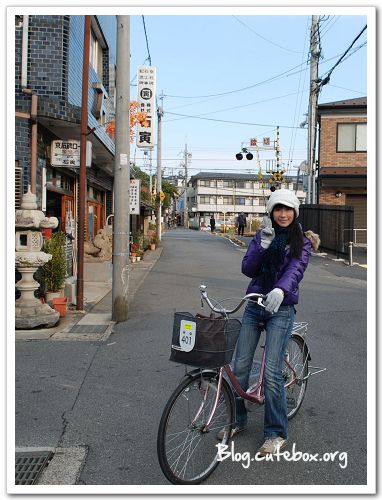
267 233
273 300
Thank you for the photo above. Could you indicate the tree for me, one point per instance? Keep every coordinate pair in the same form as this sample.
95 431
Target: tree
135 118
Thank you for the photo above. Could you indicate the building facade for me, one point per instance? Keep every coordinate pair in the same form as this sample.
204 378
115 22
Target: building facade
48 95
226 195
342 156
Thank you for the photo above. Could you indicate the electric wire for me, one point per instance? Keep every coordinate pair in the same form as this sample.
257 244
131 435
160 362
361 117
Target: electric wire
147 42
266 39
327 75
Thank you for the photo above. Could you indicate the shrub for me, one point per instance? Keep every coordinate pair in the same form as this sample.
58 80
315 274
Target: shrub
54 271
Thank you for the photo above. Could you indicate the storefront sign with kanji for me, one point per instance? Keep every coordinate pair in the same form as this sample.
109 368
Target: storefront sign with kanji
67 153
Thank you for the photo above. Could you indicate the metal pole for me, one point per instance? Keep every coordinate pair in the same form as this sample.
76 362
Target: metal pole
121 226
82 179
314 55
159 172
185 217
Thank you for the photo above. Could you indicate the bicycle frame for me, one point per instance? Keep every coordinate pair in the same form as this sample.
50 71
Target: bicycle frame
253 395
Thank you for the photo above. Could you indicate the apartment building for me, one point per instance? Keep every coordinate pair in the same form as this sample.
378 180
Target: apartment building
342 153
226 195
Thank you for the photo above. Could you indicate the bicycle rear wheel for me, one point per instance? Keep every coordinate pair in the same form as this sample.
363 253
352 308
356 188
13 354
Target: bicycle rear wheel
295 373
187 452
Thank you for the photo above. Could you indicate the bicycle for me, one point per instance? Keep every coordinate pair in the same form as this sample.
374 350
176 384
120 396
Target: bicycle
204 403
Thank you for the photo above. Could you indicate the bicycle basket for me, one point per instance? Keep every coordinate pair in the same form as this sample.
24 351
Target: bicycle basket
203 341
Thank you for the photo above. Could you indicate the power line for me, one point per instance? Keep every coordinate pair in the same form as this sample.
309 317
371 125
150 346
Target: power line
230 121
245 105
147 42
266 39
326 79
238 90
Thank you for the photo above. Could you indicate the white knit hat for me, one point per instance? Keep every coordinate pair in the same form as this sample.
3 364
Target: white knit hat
283 197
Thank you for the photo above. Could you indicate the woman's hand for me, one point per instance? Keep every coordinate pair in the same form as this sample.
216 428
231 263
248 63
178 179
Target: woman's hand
274 300
267 233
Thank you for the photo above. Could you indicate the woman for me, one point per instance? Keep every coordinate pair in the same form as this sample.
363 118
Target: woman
276 260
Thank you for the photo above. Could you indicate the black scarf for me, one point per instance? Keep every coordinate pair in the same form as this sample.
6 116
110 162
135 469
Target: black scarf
273 259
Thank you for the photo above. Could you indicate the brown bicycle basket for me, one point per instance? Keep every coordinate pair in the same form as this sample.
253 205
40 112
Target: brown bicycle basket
215 340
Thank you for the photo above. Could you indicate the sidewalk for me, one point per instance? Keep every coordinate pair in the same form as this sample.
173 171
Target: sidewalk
95 323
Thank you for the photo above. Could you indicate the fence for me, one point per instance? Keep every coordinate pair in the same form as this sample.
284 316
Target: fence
333 223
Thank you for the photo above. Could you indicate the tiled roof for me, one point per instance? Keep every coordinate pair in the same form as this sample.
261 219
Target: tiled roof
359 101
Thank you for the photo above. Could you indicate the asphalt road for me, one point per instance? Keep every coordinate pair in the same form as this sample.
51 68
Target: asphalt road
111 395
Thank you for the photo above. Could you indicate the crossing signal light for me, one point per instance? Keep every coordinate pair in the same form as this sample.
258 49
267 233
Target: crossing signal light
239 156
249 156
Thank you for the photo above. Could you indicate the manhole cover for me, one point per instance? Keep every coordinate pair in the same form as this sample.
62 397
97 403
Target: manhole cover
88 329
29 465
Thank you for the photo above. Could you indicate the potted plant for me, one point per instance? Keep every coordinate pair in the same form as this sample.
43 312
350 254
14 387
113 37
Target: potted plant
54 272
153 241
134 249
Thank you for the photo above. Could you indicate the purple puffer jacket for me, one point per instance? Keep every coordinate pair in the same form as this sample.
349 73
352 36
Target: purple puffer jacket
289 275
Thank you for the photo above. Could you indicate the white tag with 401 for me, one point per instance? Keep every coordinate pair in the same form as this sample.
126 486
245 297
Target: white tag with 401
187 335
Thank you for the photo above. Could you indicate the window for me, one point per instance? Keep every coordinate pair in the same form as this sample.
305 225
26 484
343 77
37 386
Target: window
95 54
204 183
240 200
351 137
209 200
228 184
227 200
18 184
240 185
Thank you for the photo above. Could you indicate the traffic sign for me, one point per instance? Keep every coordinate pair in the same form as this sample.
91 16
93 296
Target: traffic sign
162 196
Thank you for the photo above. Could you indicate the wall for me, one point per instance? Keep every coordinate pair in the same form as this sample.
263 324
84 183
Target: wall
328 143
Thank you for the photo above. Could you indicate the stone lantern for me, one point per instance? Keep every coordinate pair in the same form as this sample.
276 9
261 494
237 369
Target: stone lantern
30 312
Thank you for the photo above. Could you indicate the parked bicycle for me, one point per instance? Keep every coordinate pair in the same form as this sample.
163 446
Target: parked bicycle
204 402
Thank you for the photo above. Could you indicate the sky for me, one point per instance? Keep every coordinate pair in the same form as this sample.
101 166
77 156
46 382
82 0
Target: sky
238 76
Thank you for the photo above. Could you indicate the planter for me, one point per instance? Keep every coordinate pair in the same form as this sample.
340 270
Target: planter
152 246
138 258
133 258
60 305
50 296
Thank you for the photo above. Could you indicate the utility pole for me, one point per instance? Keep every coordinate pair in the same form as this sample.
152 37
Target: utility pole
312 115
185 217
159 172
121 226
82 176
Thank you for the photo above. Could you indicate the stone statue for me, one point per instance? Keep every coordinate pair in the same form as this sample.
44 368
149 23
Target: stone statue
101 248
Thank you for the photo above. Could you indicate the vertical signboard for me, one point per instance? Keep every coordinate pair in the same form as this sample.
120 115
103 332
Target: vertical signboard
134 196
146 97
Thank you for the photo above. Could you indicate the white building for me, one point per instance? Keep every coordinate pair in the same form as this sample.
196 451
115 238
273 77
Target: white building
226 195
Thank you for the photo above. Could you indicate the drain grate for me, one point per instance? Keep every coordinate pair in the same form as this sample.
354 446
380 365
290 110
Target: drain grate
30 464
88 329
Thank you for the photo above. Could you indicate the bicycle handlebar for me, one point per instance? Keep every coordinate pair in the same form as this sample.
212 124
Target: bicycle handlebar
257 297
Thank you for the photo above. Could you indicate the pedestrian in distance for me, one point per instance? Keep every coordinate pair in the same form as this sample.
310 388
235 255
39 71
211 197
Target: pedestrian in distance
212 224
276 260
241 223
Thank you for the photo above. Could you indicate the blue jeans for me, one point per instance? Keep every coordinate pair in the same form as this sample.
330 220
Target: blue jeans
279 327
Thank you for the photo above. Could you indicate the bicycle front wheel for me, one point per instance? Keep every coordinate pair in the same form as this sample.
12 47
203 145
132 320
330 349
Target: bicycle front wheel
295 373
187 450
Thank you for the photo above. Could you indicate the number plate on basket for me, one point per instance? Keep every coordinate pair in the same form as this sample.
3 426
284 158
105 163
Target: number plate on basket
187 335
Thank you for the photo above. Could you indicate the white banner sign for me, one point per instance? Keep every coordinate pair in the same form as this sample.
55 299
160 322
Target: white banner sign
146 97
67 153
135 195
